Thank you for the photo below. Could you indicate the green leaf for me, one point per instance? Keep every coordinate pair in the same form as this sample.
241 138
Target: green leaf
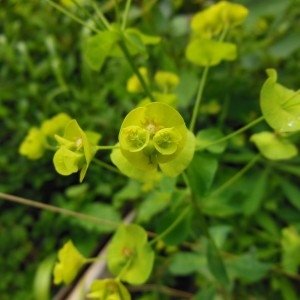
206 137
206 293
288 290
180 232
205 52
201 173
280 106
216 264
273 147
247 268
256 194
43 279
146 39
129 256
186 263
291 191
99 47
102 211
152 205
290 244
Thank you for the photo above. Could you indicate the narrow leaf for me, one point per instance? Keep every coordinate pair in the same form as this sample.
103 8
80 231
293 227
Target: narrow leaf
216 264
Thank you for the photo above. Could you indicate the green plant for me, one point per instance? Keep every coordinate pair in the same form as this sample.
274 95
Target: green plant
185 186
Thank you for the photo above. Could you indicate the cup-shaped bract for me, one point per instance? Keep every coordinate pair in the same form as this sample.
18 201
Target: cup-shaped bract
69 264
55 125
34 144
151 136
273 147
76 150
167 81
133 83
129 256
108 289
279 105
214 19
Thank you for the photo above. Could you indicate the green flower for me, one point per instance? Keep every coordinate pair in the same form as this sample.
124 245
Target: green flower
34 144
108 289
151 137
133 83
129 256
55 125
167 81
70 262
76 150
214 19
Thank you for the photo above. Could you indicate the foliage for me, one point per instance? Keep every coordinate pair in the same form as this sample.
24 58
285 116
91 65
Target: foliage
184 100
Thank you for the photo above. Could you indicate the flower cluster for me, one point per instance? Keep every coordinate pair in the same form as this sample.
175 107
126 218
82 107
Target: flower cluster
165 82
151 137
38 139
76 150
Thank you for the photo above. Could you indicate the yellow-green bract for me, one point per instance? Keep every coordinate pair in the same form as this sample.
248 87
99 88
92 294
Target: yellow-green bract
214 19
108 289
280 106
129 256
77 148
151 137
273 147
70 261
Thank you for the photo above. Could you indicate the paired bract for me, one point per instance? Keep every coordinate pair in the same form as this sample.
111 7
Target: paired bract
153 137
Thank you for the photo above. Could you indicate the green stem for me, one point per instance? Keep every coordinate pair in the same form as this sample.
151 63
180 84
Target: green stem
72 16
101 16
136 70
200 218
127 7
229 136
57 210
93 259
105 165
107 147
237 176
199 98
171 227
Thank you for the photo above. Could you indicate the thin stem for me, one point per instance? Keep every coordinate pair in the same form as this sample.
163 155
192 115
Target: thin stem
101 16
199 98
136 70
171 227
105 165
107 147
237 176
229 136
93 259
200 218
56 209
117 12
72 16
127 7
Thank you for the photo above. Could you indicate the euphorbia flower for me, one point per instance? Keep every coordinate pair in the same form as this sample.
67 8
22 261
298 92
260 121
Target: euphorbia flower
133 83
108 289
34 144
76 150
167 81
70 262
151 137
